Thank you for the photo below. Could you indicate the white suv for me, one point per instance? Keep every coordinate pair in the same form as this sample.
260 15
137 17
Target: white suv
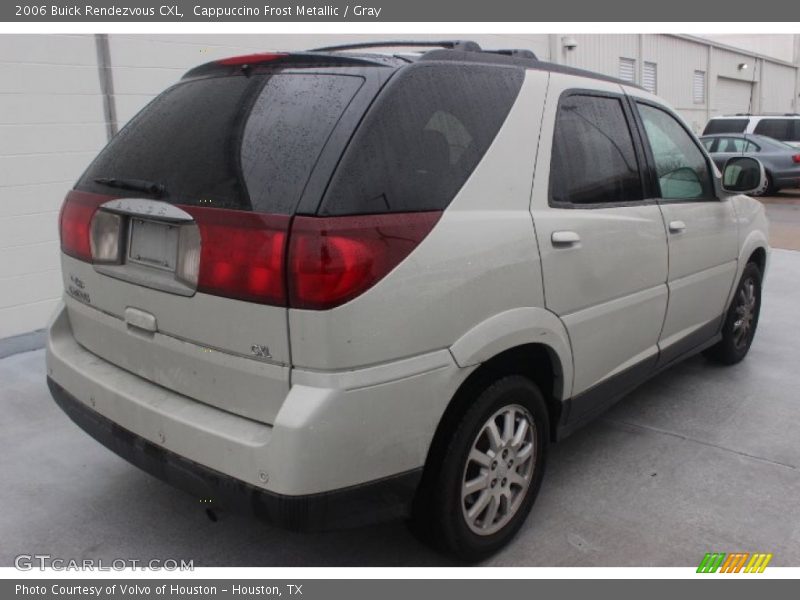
784 128
333 287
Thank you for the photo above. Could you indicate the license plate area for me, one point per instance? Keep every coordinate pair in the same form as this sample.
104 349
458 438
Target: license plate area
153 244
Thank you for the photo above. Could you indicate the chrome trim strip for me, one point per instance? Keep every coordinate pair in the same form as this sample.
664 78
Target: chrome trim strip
142 207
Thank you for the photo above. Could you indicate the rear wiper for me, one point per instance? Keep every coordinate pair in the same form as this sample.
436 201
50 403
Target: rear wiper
138 185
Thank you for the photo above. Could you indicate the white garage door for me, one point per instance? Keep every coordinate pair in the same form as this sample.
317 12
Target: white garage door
732 96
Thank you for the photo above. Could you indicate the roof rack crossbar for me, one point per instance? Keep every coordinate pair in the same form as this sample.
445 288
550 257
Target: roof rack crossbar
464 45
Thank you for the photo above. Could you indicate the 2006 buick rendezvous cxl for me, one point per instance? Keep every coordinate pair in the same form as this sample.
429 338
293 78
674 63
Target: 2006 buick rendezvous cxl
337 286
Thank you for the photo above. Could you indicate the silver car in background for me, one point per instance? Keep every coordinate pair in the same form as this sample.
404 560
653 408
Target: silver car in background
781 161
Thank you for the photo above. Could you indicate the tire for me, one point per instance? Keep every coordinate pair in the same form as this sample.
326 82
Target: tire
741 320
769 188
511 487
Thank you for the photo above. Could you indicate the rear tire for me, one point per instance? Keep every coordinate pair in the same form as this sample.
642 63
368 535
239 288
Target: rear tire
741 320
489 473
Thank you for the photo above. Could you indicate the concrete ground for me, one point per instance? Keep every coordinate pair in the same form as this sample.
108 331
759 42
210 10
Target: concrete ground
702 458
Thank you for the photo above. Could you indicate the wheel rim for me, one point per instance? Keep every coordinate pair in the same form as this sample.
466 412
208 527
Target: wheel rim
746 303
499 470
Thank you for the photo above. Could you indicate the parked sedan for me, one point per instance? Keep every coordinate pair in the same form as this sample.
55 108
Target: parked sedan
781 161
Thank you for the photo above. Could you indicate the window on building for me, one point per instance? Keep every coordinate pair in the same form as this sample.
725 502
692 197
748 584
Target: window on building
602 167
627 69
650 77
699 87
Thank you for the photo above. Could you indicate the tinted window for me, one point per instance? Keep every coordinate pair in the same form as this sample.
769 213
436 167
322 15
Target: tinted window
422 139
725 126
593 159
230 142
708 143
780 129
680 165
734 145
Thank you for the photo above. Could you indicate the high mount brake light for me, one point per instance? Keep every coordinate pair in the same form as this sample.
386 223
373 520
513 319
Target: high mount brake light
252 59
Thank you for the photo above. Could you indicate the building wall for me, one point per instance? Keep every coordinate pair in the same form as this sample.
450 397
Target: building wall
53 121
51 124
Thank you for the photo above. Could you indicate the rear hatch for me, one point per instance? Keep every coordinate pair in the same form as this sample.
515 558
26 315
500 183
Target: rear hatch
174 239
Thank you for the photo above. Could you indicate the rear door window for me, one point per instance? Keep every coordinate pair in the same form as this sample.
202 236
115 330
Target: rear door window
725 126
422 139
594 160
779 129
237 142
732 145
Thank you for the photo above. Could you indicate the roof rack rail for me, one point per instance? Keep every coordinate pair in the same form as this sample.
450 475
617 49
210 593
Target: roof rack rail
464 45
515 52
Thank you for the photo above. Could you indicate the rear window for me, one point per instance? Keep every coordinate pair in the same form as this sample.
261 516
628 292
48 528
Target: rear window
779 129
422 139
230 142
725 126
594 159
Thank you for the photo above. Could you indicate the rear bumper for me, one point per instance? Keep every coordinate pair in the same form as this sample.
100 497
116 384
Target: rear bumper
786 179
375 501
345 448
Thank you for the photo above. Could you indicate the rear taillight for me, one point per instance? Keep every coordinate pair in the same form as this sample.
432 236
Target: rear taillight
314 263
333 260
241 254
324 261
75 223
796 158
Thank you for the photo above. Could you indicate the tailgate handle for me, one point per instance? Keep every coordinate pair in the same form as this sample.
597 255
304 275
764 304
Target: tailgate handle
140 319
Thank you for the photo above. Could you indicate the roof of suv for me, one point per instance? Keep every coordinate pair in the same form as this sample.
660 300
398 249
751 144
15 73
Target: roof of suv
759 116
444 51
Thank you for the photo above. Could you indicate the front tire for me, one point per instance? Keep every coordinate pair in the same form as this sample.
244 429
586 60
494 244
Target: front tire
491 470
741 321
769 188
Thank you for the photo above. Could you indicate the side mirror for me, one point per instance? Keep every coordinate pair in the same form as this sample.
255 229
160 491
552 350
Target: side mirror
743 175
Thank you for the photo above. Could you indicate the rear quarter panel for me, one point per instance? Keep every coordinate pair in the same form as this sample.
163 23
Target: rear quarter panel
480 260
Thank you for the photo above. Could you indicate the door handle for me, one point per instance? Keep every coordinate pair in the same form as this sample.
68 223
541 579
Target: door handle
677 226
565 238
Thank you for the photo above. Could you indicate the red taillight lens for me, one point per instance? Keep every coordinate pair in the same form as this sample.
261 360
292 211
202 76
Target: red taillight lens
242 254
252 59
75 223
796 158
333 260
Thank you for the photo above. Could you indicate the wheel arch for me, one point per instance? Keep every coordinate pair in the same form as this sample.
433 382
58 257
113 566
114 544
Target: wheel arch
759 256
535 360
